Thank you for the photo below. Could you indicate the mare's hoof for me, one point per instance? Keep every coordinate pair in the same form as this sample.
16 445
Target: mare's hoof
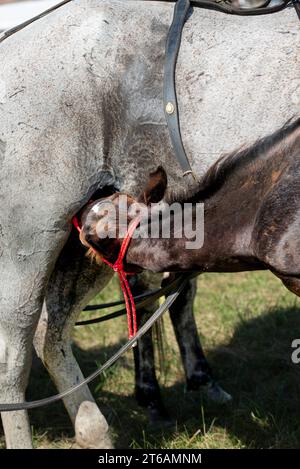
91 428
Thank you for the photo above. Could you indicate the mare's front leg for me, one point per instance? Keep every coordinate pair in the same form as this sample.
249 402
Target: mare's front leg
73 283
197 370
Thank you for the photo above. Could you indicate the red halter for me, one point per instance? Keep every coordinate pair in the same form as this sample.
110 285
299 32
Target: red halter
118 267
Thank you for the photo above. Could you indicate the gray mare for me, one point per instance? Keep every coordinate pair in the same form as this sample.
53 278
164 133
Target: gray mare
81 110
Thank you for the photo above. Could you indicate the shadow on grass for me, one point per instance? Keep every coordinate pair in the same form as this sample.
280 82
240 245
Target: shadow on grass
255 367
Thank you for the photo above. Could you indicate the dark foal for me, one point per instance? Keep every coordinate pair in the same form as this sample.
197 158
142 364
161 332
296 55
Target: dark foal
251 216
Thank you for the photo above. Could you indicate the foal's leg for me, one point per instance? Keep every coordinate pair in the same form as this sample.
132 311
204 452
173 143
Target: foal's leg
73 283
147 390
292 284
197 370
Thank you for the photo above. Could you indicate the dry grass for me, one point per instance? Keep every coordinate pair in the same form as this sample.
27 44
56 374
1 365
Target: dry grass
247 323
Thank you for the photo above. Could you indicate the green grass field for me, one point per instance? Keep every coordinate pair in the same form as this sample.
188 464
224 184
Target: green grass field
247 323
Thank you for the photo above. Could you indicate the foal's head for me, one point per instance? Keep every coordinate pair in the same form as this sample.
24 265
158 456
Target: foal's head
105 221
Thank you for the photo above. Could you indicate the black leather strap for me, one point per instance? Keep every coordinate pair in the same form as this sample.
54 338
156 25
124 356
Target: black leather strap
169 90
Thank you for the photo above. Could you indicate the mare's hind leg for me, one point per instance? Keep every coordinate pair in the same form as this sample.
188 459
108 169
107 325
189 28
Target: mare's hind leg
20 306
73 283
24 272
197 370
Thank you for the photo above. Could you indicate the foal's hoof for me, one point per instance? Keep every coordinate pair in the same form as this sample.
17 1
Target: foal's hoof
159 418
215 393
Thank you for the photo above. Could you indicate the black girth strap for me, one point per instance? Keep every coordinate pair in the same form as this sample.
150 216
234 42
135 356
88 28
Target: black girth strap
170 98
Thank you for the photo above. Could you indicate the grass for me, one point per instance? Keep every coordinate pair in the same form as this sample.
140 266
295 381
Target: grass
247 323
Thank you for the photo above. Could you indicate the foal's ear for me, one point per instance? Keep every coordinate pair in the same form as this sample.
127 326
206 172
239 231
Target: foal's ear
155 188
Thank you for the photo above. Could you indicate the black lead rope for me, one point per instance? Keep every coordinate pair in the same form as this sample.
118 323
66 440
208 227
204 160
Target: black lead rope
143 300
137 298
50 400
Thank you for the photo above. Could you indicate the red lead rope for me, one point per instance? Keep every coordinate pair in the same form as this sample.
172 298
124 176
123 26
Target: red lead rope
118 267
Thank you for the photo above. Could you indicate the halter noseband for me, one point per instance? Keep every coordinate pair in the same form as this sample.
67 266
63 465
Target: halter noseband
118 267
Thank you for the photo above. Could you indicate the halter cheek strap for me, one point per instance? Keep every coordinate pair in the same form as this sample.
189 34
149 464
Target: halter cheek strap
118 267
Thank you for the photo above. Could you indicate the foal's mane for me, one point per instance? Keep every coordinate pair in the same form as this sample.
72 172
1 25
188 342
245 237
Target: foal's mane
219 172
